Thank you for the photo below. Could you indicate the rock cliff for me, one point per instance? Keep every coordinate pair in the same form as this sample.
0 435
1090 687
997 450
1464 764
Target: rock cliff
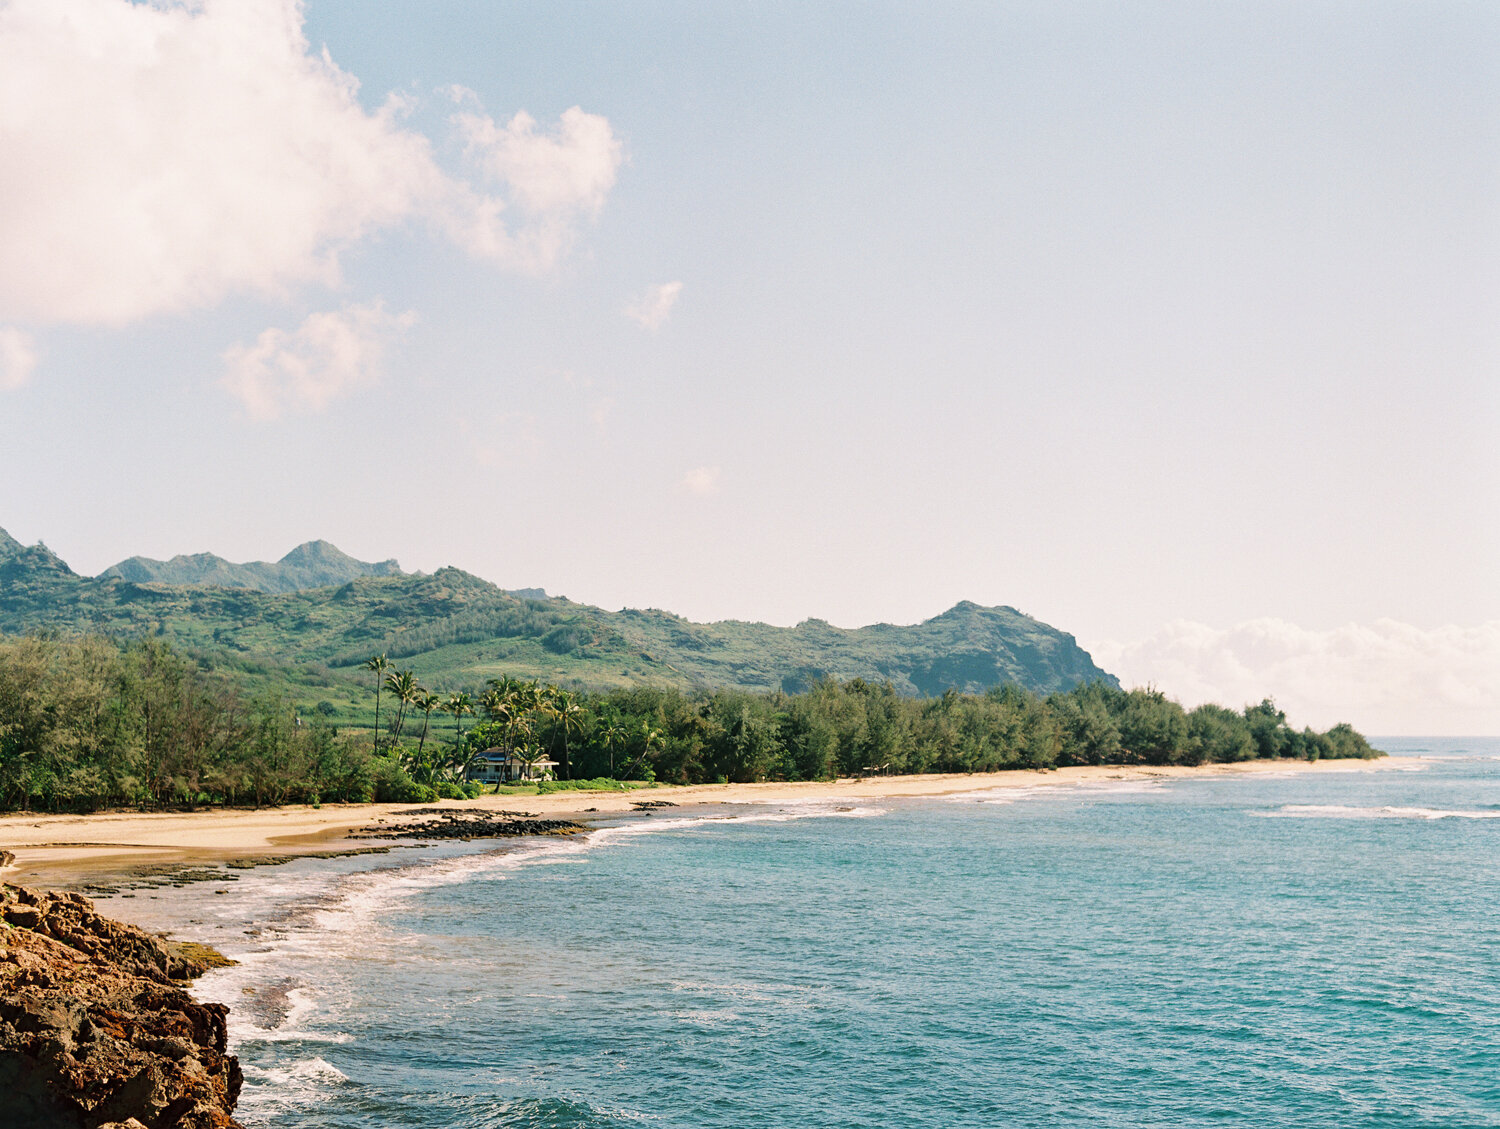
96 1030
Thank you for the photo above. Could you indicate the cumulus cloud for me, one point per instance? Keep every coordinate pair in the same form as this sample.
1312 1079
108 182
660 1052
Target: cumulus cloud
162 156
702 481
329 355
652 308
1384 677
17 357
555 179
570 169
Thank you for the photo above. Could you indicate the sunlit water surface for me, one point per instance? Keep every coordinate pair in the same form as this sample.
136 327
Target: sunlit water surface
1289 950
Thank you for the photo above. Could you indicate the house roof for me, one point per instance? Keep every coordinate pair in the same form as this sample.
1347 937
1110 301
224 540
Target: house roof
503 756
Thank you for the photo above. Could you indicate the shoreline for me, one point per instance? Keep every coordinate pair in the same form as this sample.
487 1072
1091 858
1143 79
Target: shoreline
69 850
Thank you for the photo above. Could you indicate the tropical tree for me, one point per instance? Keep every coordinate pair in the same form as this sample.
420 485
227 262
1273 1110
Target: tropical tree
530 756
530 696
650 739
502 701
458 705
426 703
517 733
570 720
404 685
612 736
377 665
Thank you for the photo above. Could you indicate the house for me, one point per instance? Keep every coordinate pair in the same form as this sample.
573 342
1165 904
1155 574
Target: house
506 766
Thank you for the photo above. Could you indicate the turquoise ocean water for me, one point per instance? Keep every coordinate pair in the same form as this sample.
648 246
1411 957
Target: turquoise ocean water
1281 950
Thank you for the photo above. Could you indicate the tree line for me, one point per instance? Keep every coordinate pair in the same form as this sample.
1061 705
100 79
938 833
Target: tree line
857 727
87 723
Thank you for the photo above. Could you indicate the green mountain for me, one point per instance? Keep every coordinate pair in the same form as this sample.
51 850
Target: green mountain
24 570
315 564
456 630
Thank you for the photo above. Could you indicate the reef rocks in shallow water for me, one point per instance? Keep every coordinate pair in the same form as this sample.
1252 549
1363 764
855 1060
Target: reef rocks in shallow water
465 825
95 1028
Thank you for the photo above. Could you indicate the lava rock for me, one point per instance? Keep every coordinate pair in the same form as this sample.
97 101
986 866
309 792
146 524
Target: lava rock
96 1031
470 825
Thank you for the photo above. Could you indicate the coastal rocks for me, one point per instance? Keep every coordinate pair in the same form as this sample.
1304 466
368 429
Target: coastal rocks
95 1029
651 805
470 825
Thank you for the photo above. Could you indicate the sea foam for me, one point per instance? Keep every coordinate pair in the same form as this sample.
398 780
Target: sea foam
1344 811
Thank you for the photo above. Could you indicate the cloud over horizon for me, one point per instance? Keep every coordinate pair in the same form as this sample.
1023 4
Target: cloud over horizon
329 355
1383 677
702 481
651 309
17 357
161 157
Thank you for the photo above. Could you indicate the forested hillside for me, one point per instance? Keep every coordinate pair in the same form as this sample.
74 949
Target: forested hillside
86 723
458 629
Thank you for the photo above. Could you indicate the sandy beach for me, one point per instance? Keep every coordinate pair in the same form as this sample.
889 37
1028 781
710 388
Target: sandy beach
69 849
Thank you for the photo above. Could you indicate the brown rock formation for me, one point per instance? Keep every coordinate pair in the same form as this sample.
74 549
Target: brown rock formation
458 824
95 1028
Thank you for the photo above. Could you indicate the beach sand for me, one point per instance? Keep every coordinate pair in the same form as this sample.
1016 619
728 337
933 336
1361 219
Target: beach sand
66 850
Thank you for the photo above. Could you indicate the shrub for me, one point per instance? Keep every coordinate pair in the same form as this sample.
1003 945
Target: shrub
394 786
597 784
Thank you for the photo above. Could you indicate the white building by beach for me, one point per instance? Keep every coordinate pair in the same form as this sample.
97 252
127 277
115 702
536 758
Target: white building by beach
505 766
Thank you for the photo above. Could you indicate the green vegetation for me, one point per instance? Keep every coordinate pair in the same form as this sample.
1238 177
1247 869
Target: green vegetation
86 722
316 564
850 728
454 630
597 784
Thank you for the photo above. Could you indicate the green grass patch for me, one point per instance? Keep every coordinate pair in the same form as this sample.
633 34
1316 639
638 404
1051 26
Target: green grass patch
597 784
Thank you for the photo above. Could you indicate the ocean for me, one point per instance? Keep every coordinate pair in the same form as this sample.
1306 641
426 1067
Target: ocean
1268 950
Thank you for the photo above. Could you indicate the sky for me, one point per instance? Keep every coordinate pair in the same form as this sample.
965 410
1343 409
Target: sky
1176 326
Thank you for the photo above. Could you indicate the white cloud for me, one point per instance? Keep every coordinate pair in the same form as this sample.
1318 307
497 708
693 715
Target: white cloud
653 308
1384 677
328 356
703 481
555 179
17 357
569 170
159 157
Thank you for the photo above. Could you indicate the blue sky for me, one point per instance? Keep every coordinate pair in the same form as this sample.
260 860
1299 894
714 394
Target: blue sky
1174 325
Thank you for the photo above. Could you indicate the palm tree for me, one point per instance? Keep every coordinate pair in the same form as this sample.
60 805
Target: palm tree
458 705
569 715
377 666
649 737
530 755
405 686
612 737
426 703
502 701
524 749
529 696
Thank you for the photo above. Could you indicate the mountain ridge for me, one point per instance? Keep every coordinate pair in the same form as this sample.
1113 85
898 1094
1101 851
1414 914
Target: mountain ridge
453 628
312 564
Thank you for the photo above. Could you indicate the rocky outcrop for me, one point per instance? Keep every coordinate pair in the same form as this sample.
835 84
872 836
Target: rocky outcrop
96 1029
466 825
